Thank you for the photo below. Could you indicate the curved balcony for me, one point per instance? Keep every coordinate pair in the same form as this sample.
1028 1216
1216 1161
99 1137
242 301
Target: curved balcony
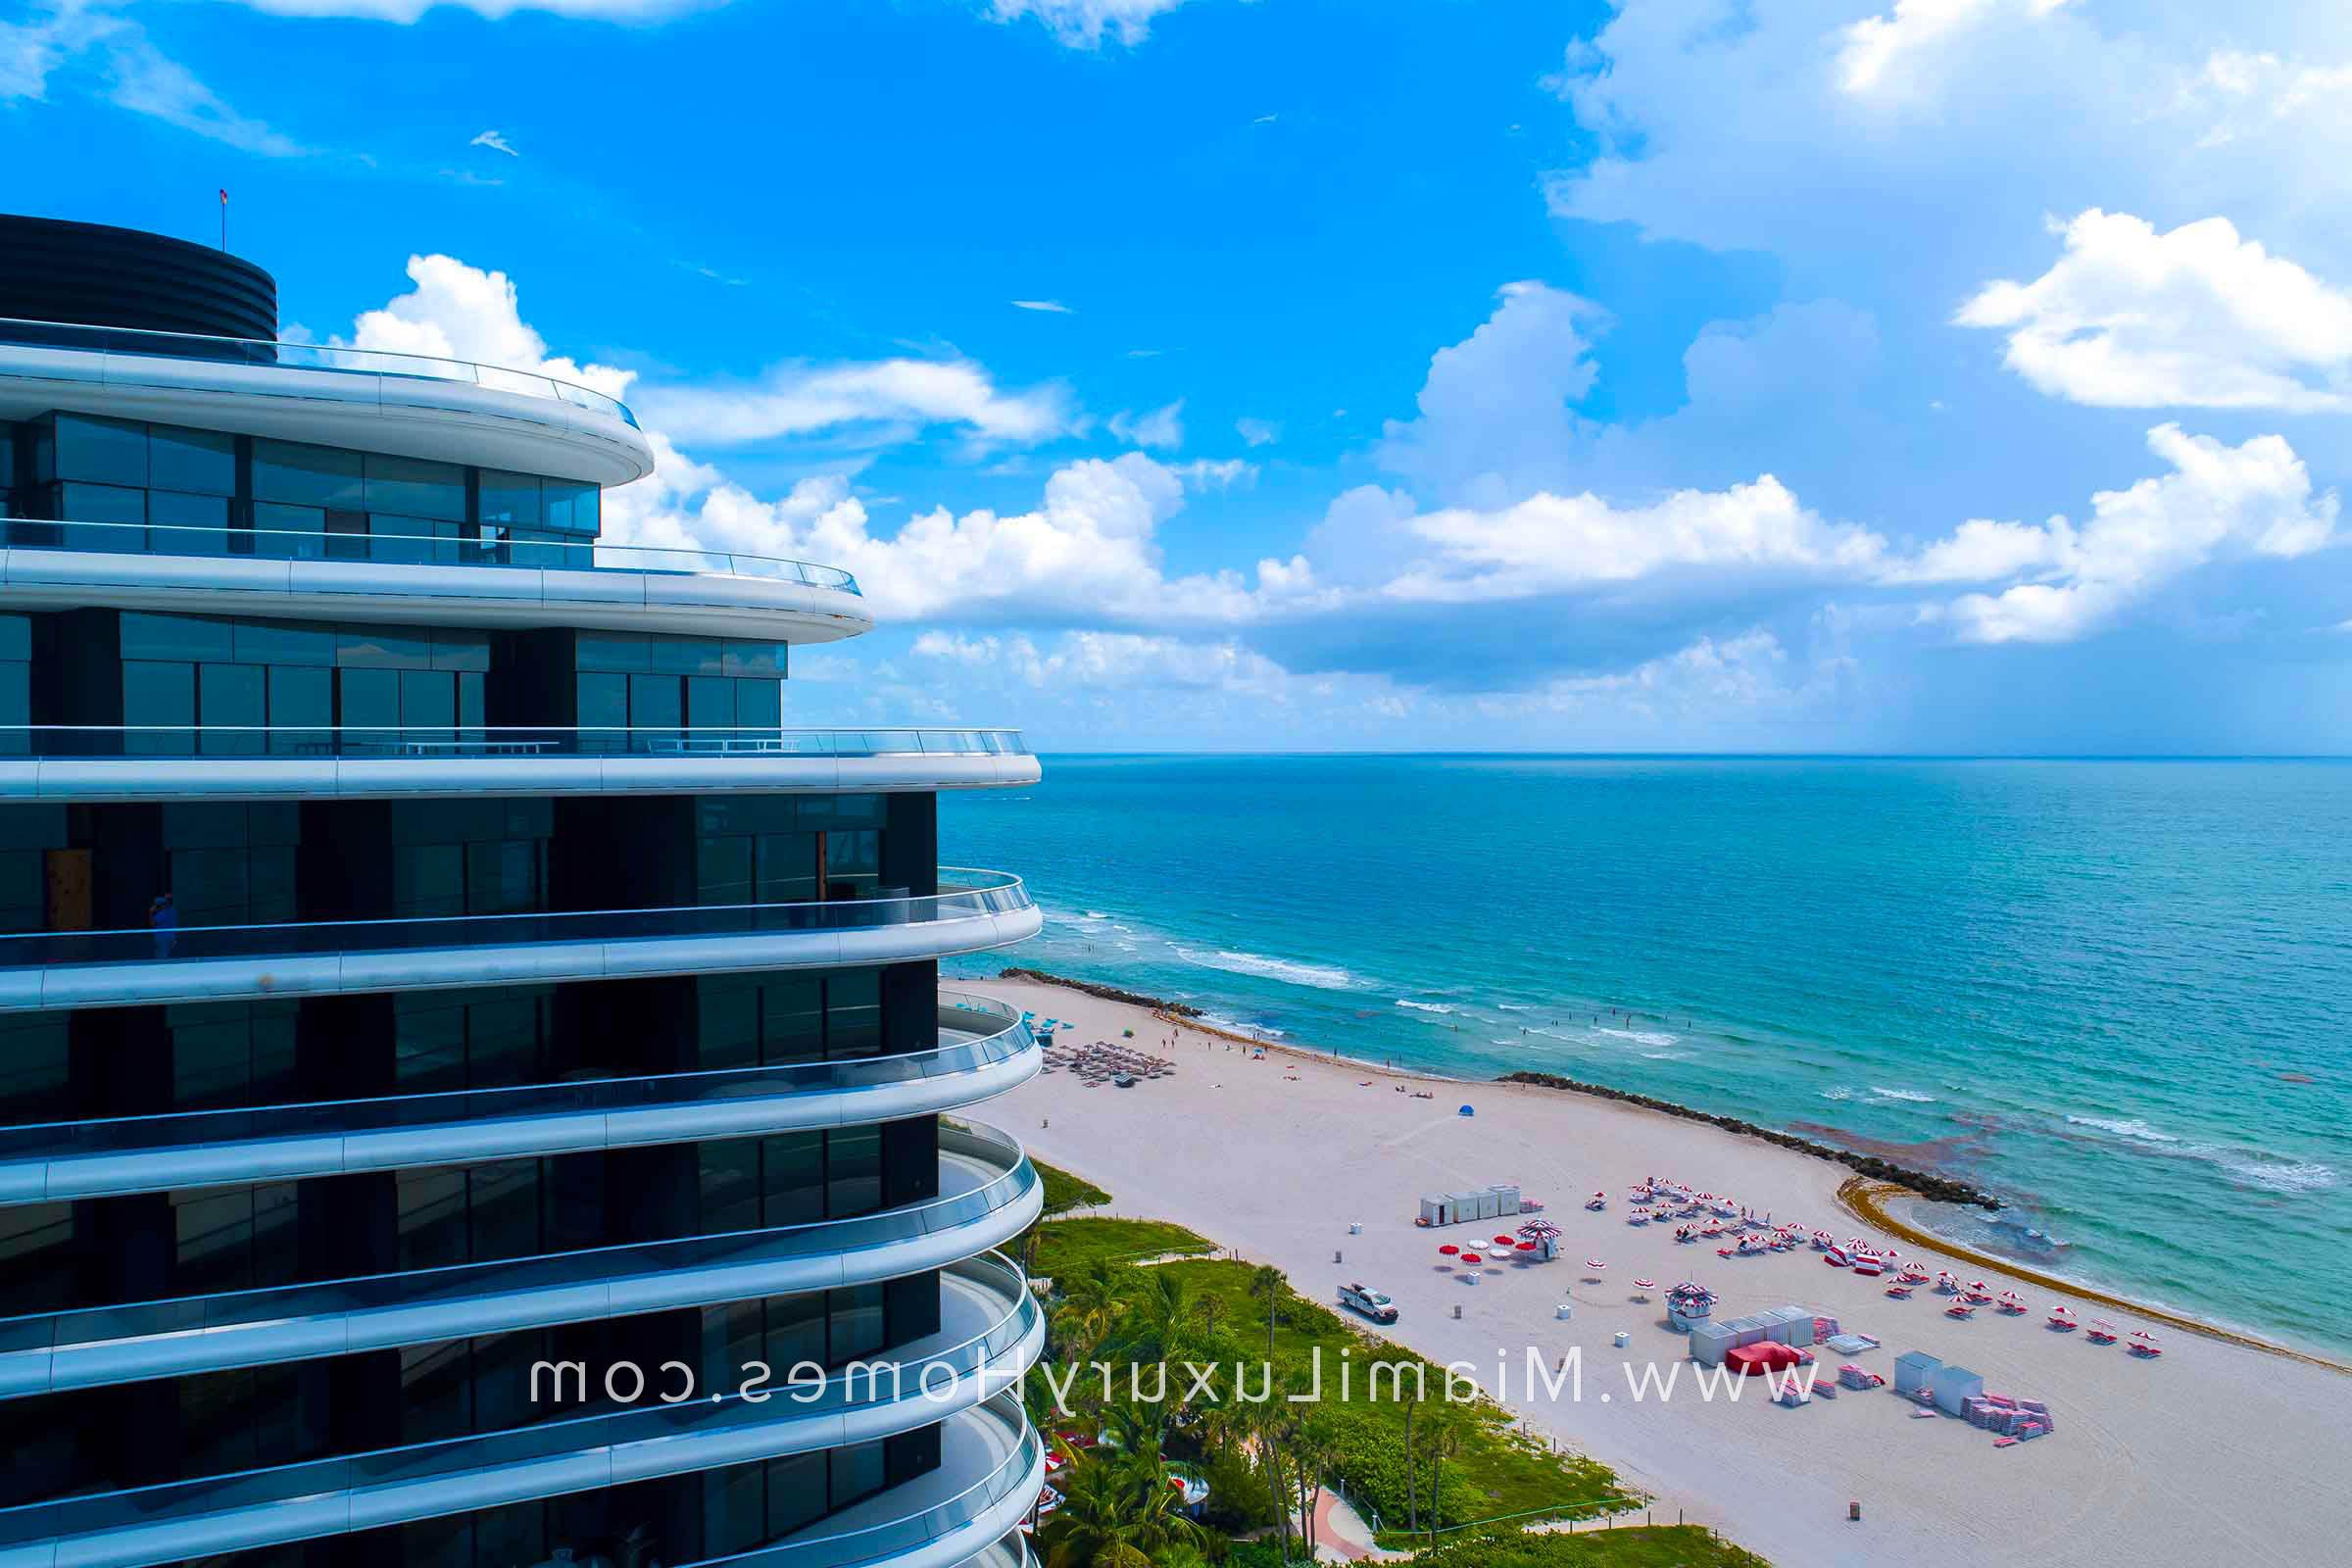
973 911
991 1466
414 404
184 1519
409 579
990 1051
989 1194
84 764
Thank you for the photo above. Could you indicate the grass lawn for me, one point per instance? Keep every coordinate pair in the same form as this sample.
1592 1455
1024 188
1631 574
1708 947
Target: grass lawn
1634 1546
1065 1246
1514 1474
1066 1192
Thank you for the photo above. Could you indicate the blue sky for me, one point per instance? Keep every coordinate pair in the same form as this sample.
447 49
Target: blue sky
1834 374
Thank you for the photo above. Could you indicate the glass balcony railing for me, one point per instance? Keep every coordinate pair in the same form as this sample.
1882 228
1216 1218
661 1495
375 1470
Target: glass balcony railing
632 1443
135 343
1014 1479
993 1029
479 740
409 549
962 895
984 1177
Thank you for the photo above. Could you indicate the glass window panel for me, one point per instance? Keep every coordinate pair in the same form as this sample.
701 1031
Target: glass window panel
854 1014
733 1516
502 1389
201 460
469 699
759 704
512 499
383 648
428 697
501 877
856 1322
194 637
744 659
108 450
853 859
408 541
505 1209
428 879
795 1492
428 1048
856 1472
722 869
796 1331
446 1542
194 525
787 871
852 1171
596 650
306 476
656 702
33 1063
502 1043
214 1234
38 1255
367 699
436 1392
414 487
302 706
570 506
791 1020
278 641
604 702
234 695
432 1218
683 656
794 1178
727 1030
285 532
101 504
456 648
709 703
731 1181
157 693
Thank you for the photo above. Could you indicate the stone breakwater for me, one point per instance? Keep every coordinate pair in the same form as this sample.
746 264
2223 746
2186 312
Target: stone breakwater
1941 1188
1133 998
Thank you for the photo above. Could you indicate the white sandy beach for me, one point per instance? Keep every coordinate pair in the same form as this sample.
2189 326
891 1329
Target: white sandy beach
2216 1454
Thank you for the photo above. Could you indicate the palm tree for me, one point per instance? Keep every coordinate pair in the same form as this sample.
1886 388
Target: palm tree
1445 1441
1117 1511
1272 1424
1090 1305
1266 1280
1412 1506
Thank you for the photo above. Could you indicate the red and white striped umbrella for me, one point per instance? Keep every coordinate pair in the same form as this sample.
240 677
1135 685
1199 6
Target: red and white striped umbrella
1594 1264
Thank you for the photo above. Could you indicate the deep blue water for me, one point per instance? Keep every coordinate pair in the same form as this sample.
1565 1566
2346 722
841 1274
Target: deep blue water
2118 993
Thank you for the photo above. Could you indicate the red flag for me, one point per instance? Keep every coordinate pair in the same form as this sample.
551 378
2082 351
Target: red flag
224 198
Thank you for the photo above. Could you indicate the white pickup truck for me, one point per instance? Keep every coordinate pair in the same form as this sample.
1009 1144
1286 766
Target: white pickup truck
1374 1305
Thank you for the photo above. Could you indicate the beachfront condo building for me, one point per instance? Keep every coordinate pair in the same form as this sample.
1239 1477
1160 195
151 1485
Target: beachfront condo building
455 1033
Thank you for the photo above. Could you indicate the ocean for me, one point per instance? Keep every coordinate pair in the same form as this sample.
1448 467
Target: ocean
2116 993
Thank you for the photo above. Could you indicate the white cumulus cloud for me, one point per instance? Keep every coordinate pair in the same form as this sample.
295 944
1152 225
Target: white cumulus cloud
2252 499
2196 318
1084 24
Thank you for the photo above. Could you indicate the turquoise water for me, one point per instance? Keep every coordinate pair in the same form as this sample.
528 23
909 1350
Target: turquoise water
2117 994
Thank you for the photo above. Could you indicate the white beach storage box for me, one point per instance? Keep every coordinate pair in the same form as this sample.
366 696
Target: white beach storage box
1433 1211
1955 1385
1915 1370
1506 1197
1709 1341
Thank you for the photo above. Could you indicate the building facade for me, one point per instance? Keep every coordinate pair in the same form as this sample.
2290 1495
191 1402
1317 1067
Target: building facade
475 1085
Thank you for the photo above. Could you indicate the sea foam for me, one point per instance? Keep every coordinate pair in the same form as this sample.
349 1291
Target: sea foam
1321 976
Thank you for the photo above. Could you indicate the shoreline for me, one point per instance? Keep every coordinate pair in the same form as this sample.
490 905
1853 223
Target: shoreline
1865 1199
1861 1195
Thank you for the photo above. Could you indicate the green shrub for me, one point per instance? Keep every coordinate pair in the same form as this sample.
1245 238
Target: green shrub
1238 1497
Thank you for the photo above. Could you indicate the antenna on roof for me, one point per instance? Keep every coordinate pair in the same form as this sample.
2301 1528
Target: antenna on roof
224 223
